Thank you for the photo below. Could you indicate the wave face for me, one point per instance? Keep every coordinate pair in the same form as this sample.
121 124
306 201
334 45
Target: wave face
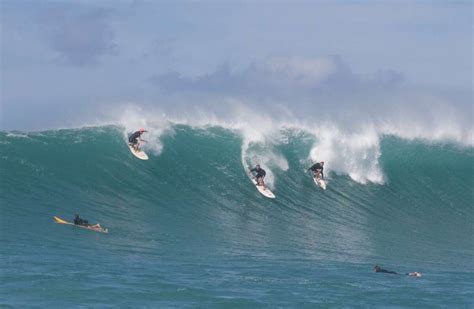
187 227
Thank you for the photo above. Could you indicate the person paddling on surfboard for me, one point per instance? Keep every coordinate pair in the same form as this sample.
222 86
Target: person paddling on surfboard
135 138
260 175
379 269
317 169
79 221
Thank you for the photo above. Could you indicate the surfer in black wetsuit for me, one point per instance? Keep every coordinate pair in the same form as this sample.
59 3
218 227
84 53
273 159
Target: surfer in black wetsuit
260 174
379 269
135 137
80 221
317 169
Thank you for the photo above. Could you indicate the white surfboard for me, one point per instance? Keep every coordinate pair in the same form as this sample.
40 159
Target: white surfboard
264 190
138 153
320 183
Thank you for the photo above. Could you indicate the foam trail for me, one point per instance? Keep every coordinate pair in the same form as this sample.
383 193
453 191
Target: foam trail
355 154
261 153
133 118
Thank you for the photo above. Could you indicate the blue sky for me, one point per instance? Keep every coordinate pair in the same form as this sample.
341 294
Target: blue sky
61 59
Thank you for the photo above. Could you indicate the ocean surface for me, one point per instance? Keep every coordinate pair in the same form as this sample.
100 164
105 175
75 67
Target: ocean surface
188 229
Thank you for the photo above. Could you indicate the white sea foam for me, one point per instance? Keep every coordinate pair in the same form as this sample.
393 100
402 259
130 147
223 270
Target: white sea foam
133 118
346 113
349 148
17 135
353 153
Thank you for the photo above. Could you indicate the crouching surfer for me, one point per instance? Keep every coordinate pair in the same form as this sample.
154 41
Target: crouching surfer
135 138
259 176
317 170
379 269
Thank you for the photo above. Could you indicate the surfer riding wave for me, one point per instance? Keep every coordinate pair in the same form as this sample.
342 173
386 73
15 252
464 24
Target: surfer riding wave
259 176
317 170
135 138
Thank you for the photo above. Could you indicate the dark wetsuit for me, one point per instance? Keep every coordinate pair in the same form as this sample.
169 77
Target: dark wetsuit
381 270
317 167
79 221
260 172
133 139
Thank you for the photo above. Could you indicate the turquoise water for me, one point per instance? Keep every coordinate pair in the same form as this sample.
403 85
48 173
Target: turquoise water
187 228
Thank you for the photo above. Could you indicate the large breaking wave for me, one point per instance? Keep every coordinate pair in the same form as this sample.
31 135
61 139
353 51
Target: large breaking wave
383 193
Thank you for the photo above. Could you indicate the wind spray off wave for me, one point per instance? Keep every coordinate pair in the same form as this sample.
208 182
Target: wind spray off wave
348 140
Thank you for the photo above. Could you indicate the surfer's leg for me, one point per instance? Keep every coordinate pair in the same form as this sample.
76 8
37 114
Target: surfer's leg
134 144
